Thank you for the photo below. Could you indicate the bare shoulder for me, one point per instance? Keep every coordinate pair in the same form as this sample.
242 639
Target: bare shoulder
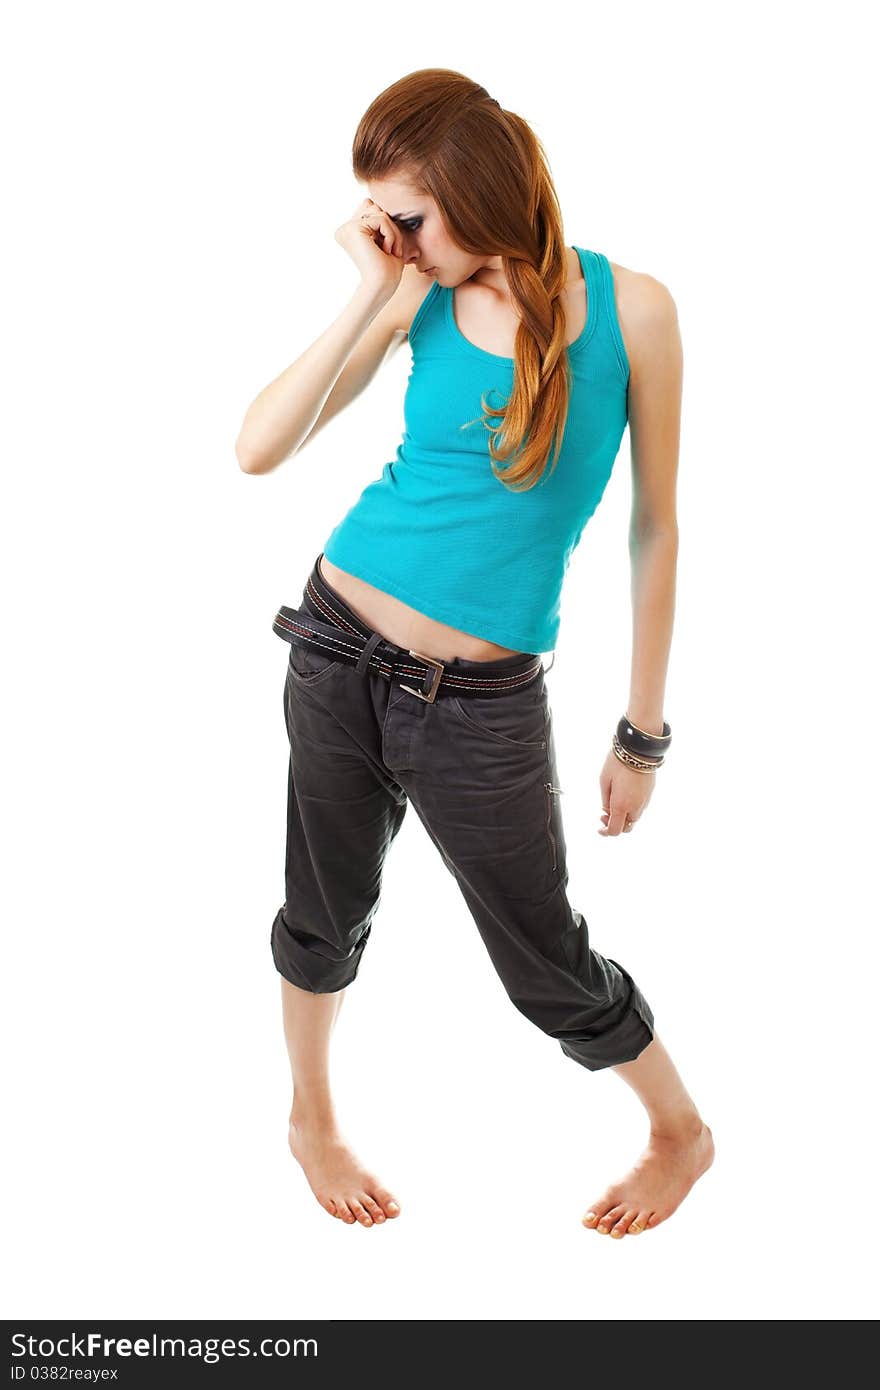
408 297
646 313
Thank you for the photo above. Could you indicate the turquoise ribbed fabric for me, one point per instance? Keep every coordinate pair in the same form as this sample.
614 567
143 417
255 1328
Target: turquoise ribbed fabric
438 530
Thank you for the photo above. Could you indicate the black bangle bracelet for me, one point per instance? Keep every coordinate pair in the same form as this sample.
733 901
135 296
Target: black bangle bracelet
641 743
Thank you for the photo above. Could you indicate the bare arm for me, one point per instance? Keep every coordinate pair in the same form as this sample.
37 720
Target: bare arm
655 393
328 375
283 415
649 324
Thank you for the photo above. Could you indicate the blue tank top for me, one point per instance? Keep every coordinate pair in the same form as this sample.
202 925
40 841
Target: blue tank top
438 530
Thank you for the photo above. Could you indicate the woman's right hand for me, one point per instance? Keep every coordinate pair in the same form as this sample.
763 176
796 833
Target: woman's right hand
375 245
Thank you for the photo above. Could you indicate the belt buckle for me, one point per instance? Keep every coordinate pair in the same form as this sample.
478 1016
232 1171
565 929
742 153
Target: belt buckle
438 672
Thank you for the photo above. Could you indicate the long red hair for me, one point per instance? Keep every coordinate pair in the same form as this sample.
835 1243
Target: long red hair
487 171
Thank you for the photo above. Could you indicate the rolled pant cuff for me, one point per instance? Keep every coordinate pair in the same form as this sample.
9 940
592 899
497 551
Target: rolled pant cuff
624 1041
319 974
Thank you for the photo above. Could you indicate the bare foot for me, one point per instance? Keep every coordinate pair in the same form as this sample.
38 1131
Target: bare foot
339 1181
658 1183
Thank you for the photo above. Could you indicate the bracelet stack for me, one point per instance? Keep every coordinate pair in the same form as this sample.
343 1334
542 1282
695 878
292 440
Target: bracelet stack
641 751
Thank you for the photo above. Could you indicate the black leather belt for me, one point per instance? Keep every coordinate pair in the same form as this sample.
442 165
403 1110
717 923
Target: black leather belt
347 639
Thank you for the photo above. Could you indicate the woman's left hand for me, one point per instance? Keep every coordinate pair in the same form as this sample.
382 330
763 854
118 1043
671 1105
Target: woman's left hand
625 794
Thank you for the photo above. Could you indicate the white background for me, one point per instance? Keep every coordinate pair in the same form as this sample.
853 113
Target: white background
174 176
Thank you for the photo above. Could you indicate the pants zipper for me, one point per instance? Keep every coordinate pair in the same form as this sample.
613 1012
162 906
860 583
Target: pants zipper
551 792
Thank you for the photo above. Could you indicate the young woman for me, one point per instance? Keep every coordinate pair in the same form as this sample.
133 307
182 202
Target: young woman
415 670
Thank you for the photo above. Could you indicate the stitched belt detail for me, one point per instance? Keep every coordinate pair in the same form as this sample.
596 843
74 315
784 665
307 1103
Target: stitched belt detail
346 643
326 606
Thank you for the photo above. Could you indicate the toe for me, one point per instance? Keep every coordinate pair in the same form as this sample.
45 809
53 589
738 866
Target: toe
360 1211
609 1219
344 1213
621 1227
638 1224
389 1204
597 1211
372 1207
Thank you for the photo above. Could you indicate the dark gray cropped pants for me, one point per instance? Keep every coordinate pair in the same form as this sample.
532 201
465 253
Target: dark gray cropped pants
481 774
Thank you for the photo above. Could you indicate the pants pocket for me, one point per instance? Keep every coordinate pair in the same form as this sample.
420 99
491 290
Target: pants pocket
308 666
514 719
